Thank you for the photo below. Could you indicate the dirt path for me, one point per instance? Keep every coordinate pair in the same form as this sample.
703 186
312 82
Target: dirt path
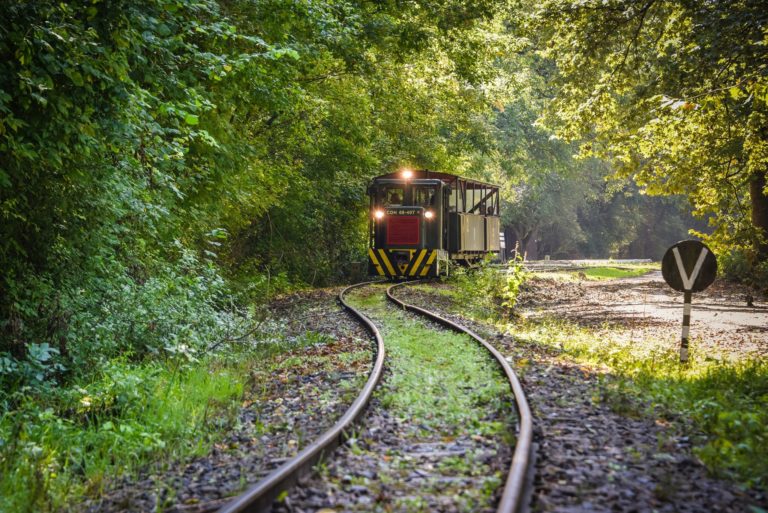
721 322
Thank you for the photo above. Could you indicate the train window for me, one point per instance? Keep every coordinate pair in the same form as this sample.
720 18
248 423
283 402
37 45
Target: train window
453 201
424 196
393 196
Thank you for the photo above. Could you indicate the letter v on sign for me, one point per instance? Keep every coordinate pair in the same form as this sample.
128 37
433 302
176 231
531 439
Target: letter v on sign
688 281
689 266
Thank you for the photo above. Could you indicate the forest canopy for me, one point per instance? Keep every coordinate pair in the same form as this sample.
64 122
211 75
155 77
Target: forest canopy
673 95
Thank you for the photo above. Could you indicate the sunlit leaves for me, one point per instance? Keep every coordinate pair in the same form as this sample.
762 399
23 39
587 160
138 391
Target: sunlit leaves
671 93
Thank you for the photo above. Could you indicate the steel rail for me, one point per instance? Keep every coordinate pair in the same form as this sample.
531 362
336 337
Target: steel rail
260 496
516 496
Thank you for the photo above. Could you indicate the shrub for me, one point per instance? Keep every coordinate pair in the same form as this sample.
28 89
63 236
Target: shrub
739 265
490 290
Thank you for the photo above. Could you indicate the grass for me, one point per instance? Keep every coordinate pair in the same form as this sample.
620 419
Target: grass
598 272
613 273
57 449
440 377
69 444
446 383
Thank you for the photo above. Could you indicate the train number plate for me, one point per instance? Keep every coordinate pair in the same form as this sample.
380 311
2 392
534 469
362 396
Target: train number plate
404 211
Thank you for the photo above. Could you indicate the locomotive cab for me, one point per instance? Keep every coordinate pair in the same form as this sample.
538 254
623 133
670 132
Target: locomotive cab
421 219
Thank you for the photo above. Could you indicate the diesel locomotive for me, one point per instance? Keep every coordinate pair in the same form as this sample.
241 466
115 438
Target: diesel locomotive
420 220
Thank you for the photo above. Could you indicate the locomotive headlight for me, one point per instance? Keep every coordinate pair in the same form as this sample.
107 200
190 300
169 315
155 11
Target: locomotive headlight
407 174
429 214
378 214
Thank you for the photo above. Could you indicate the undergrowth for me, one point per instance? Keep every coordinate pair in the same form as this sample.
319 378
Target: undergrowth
489 291
64 444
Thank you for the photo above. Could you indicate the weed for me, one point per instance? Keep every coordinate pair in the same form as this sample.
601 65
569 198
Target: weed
489 291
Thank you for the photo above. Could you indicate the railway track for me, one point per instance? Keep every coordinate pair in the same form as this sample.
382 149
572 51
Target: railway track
515 497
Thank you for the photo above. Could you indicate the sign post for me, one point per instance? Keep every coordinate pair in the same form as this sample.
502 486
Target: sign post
689 266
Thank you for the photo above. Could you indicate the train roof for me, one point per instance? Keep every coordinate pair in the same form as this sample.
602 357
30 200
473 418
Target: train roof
422 174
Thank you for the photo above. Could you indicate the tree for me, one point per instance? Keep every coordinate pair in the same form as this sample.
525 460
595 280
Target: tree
674 94
158 157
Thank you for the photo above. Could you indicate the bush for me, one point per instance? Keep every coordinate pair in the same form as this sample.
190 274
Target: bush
490 290
178 311
740 265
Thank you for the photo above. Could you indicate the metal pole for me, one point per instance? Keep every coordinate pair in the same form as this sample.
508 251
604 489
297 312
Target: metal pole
686 326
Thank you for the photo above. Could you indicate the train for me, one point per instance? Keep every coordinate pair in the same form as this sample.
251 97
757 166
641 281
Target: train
421 220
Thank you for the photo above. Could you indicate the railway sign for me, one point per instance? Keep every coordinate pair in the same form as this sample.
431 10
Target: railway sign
689 266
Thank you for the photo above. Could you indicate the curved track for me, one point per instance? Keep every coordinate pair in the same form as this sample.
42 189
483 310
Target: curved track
516 488
260 496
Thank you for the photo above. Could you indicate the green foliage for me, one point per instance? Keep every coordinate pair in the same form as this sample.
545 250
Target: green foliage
165 163
672 94
489 290
160 162
64 444
556 204
738 265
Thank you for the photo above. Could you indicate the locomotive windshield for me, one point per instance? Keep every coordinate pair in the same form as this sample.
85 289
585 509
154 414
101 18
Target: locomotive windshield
393 196
424 196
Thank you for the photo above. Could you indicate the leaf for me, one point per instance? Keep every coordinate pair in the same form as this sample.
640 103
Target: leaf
76 78
191 119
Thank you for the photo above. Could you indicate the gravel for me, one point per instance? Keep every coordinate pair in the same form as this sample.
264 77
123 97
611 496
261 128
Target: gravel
722 325
590 458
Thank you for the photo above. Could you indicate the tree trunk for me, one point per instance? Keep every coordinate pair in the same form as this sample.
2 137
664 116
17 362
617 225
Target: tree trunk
530 246
759 202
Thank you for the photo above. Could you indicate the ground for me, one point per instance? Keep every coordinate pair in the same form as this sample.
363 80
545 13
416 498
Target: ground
597 450
721 320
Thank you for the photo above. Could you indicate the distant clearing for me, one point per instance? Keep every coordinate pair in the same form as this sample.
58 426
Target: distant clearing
598 273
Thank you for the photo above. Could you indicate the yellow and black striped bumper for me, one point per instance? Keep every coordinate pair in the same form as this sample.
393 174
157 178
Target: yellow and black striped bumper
420 263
